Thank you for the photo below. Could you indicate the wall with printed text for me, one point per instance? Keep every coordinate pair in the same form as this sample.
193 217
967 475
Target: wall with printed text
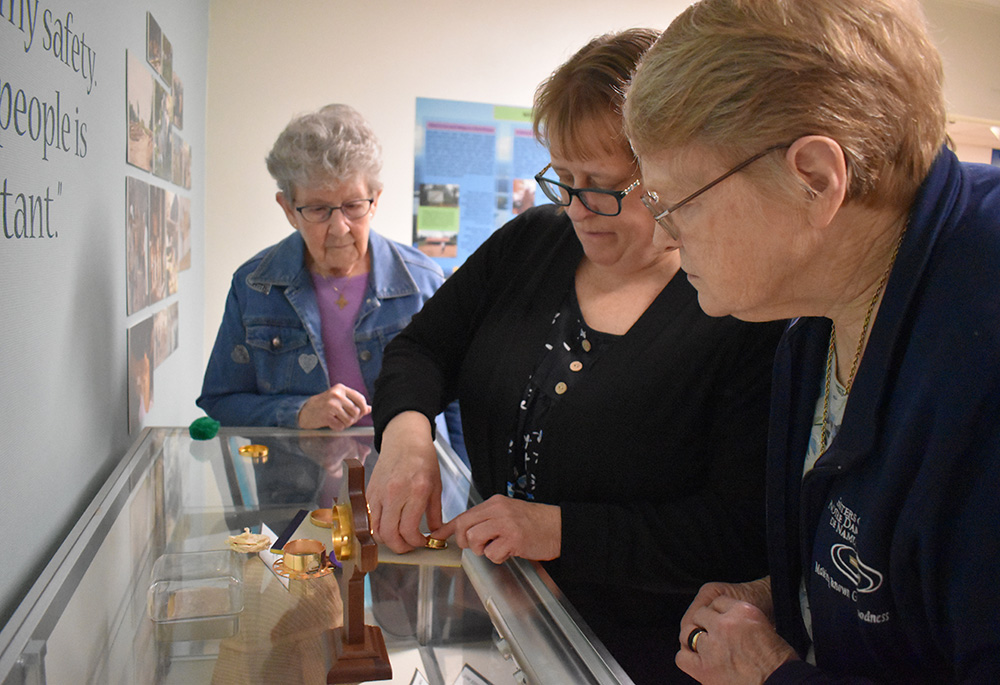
102 139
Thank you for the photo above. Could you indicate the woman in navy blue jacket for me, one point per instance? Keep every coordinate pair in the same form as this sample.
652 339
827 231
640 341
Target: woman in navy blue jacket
795 151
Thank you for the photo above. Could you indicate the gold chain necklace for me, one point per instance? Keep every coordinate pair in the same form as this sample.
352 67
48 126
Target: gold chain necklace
832 351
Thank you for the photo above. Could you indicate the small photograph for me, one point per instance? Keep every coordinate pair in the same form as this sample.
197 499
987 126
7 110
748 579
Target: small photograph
167 62
170 216
139 95
183 233
140 374
437 220
178 102
177 158
156 246
162 113
523 194
166 334
185 165
438 244
439 195
154 44
137 226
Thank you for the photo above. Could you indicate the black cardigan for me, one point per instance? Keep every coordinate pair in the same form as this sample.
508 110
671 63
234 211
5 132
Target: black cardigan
656 457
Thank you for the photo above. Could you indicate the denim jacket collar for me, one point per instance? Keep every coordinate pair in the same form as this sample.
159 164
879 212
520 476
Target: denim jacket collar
284 266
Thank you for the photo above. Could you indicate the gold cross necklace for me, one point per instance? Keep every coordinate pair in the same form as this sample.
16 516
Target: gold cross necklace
341 301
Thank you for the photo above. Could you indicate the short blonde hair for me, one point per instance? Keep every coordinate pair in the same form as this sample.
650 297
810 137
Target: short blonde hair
741 75
588 89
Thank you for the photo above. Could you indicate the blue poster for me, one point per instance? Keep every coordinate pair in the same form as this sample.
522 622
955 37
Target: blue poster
474 168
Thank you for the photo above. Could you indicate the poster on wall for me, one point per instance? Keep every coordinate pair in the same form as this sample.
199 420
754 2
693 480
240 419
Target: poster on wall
166 333
140 374
136 260
158 219
158 242
139 95
156 112
474 168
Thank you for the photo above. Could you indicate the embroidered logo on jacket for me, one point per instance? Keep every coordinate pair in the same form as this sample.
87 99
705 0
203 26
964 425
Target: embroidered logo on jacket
860 577
864 577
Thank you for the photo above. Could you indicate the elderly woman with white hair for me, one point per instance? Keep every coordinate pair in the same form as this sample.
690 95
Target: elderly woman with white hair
306 319
795 152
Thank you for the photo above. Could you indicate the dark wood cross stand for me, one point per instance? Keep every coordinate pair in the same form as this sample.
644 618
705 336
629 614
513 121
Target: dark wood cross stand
359 650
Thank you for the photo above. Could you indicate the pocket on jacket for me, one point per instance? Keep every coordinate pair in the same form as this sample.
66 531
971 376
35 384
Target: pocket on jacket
281 354
383 334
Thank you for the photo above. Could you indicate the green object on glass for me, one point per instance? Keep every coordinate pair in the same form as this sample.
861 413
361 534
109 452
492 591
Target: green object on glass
204 428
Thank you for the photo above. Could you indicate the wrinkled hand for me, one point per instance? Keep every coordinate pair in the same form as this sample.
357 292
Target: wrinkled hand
338 408
741 645
503 527
405 484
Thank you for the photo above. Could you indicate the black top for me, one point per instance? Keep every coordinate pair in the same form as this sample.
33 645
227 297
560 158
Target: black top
655 456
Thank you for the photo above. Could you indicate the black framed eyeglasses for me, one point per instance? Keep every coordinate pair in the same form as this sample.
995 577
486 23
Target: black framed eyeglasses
597 200
318 214
662 214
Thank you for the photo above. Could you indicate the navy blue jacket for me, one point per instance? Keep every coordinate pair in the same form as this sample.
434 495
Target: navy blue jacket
897 529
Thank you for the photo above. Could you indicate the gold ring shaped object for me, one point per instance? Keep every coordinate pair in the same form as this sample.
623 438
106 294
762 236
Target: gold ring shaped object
434 543
322 518
303 555
343 531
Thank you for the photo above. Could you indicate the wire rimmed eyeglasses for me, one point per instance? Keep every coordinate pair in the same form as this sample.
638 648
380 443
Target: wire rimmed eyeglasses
353 210
597 200
662 214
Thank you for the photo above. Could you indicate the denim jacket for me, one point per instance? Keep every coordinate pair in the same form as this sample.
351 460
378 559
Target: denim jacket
268 357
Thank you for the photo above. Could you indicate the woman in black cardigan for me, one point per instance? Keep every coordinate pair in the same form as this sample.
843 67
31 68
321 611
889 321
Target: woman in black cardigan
614 430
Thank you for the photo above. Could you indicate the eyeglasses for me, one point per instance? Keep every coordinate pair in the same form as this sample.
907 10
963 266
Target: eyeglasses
597 200
662 214
317 214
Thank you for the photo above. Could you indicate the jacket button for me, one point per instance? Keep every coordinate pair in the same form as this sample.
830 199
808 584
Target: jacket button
575 365
560 388
275 343
365 355
586 345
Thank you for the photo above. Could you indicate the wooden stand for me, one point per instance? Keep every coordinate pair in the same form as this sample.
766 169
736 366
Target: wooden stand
359 650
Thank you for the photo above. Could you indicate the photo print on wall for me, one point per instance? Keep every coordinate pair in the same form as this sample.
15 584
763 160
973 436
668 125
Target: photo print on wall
158 219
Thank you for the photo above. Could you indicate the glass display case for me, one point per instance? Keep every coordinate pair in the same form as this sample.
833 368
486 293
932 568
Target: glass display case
145 589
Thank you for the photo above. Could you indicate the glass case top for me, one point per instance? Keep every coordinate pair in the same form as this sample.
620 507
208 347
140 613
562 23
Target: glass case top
146 589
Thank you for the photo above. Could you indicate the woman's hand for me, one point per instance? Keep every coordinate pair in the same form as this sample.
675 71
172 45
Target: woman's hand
405 484
740 644
503 527
338 408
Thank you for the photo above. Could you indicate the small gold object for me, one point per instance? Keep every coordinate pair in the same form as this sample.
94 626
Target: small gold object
256 452
434 543
322 518
303 555
343 531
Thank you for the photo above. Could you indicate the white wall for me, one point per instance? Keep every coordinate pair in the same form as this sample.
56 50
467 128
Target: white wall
968 36
379 56
63 359
266 65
